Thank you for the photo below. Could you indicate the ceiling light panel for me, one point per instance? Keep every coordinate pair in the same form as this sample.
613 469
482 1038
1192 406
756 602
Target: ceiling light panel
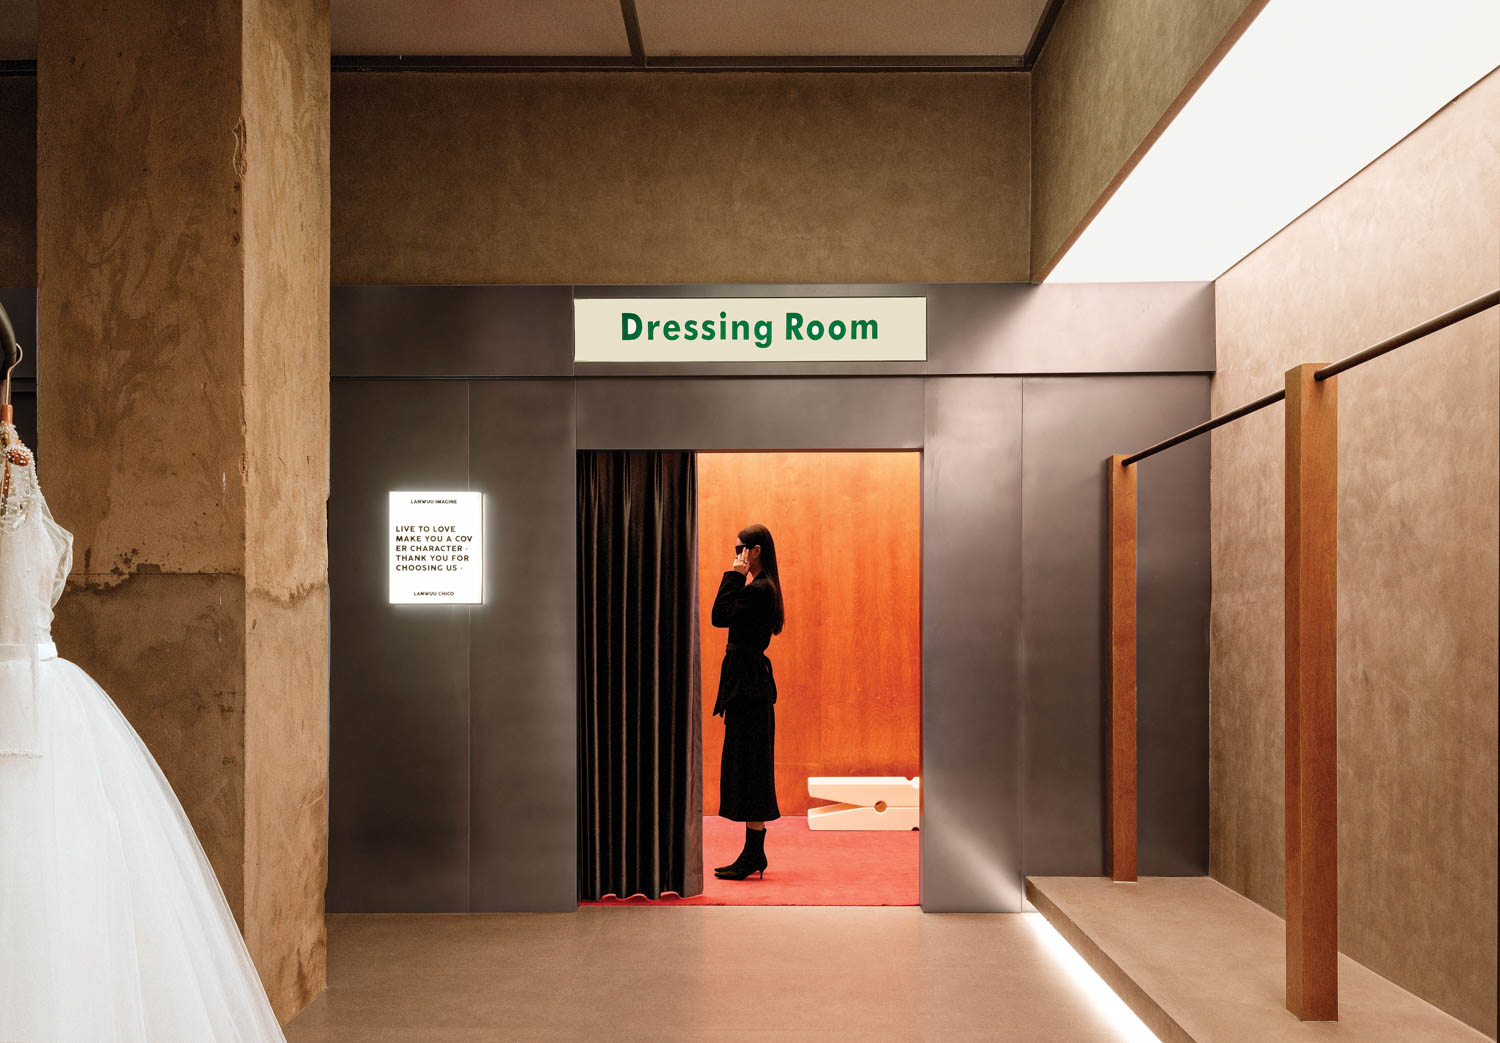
802 28
1310 94
500 28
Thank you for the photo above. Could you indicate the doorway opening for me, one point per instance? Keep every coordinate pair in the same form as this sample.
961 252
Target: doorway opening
848 666
848 676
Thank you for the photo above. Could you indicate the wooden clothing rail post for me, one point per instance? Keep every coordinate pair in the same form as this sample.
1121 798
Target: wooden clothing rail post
1312 913
1120 671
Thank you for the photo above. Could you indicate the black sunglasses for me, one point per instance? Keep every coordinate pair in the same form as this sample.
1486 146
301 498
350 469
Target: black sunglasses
739 547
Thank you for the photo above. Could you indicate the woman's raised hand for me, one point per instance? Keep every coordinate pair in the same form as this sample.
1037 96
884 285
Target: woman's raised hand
742 562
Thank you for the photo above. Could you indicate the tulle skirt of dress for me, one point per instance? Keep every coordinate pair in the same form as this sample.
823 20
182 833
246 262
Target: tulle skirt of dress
112 923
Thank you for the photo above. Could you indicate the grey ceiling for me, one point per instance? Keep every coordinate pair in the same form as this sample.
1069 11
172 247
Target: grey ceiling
772 33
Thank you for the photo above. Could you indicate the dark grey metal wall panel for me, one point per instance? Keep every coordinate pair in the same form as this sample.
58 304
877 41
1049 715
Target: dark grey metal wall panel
972 328
20 305
1173 588
703 413
413 827
525 649
1070 328
971 648
399 686
1072 424
452 331
24 402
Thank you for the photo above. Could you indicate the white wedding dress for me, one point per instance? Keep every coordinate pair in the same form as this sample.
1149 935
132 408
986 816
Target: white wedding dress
112 923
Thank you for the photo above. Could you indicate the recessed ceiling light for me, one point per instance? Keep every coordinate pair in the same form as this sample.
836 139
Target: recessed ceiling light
1312 92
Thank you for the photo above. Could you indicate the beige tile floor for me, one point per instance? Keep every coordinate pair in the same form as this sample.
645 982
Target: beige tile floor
1199 962
696 973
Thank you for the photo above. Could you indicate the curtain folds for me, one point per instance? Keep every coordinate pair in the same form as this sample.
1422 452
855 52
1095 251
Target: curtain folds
640 739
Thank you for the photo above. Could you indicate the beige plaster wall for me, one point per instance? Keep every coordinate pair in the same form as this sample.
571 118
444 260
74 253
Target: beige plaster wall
680 177
1414 234
285 191
17 181
1110 72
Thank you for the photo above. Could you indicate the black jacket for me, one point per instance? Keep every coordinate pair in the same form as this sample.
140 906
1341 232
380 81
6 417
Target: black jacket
749 611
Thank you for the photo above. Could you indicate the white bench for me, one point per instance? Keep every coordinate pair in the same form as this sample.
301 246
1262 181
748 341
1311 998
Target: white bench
865 802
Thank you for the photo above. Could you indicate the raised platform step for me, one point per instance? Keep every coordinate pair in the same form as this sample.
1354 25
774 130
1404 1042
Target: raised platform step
1199 962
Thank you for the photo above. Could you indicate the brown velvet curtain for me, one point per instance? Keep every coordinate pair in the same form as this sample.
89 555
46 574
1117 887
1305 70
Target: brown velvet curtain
640 739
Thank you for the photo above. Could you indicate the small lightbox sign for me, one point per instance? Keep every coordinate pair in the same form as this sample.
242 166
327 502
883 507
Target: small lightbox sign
437 548
750 329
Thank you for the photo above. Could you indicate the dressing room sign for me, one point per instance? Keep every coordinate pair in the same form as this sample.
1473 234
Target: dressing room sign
437 548
750 329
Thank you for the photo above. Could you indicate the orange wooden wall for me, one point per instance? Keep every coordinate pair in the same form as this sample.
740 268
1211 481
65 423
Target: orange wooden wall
848 663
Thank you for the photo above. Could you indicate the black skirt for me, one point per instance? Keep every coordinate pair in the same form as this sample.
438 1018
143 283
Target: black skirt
747 770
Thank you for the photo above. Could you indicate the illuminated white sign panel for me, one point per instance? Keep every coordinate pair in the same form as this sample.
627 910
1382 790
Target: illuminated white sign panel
437 548
750 329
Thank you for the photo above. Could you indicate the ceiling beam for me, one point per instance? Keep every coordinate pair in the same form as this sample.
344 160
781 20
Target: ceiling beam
678 63
844 62
480 63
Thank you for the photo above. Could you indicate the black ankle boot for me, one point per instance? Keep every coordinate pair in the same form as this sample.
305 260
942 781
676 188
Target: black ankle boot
739 857
752 859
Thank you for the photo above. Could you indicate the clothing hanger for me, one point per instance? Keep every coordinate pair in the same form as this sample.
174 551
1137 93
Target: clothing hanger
13 355
12 454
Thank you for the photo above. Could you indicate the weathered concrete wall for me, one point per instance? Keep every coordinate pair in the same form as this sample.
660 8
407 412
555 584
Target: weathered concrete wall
181 249
670 177
17 181
286 235
1110 72
1411 236
680 177
140 393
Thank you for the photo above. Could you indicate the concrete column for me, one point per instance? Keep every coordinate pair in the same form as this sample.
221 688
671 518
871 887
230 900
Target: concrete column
182 261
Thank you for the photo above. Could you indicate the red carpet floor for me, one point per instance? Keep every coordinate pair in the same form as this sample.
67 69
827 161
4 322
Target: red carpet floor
807 867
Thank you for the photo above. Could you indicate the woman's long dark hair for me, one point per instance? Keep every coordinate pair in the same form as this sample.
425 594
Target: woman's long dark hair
760 536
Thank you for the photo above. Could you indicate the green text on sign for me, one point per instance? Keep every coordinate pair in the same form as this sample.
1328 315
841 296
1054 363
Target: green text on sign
724 328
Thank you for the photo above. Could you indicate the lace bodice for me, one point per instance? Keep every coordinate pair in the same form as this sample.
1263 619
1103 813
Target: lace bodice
36 553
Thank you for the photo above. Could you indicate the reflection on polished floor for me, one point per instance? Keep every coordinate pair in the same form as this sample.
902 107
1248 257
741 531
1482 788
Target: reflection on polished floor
808 867
698 973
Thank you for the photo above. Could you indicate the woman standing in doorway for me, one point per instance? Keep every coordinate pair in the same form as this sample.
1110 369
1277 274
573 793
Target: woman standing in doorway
749 604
